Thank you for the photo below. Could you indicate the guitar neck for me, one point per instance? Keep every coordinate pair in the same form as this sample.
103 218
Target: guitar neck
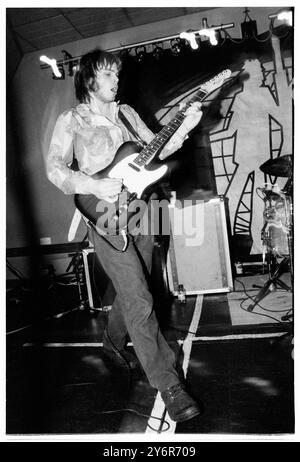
162 137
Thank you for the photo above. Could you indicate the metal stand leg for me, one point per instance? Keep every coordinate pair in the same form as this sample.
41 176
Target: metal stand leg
76 265
271 284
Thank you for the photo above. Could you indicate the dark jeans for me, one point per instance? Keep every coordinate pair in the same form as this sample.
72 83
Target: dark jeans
132 311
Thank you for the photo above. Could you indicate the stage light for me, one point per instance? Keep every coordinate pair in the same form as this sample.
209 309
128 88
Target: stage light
140 53
191 38
158 52
211 34
286 16
177 46
73 67
52 63
61 75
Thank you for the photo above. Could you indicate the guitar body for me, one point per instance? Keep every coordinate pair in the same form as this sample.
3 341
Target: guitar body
113 217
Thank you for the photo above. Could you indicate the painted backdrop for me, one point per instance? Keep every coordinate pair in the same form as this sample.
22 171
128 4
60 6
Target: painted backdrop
245 123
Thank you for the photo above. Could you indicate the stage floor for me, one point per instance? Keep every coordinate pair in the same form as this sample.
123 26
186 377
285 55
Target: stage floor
238 363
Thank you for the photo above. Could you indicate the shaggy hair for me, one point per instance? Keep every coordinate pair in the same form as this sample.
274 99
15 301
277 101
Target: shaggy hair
85 76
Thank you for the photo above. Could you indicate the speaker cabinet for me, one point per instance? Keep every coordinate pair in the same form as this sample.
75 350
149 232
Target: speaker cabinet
198 257
99 288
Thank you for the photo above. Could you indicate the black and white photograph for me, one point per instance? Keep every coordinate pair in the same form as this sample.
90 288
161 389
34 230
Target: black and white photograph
149 230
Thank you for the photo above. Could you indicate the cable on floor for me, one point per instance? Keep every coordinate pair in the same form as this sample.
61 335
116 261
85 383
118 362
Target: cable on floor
263 308
162 421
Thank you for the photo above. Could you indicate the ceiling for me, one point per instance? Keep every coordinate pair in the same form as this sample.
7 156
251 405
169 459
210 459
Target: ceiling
38 28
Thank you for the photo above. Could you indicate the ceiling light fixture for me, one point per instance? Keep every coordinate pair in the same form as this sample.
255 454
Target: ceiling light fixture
53 64
140 53
177 46
211 34
191 38
286 16
158 52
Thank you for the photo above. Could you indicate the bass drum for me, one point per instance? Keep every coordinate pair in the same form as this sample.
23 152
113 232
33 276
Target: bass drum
278 220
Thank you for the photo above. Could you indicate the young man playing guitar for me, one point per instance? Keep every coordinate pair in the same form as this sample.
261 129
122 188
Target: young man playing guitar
94 131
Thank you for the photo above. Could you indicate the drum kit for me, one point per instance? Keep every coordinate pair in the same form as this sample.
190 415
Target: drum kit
277 231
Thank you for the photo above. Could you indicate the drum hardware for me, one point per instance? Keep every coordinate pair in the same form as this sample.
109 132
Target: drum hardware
277 239
288 187
273 282
280 166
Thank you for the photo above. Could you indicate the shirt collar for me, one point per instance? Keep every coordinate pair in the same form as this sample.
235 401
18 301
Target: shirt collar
88 109
94 117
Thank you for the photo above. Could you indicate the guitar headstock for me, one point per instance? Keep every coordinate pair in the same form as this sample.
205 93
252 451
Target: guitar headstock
216 81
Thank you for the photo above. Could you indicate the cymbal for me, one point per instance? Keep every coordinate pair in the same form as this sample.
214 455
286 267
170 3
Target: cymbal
281 166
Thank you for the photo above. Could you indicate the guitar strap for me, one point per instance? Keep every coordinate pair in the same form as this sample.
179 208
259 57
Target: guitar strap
130 128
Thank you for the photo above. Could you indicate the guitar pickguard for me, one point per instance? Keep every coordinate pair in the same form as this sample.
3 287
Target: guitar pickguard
136 181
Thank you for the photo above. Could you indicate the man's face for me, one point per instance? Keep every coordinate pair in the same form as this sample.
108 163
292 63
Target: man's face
107 79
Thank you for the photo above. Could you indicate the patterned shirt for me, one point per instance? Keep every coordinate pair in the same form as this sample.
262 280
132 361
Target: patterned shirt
94 139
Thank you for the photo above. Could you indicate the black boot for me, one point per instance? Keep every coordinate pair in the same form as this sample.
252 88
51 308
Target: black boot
180 405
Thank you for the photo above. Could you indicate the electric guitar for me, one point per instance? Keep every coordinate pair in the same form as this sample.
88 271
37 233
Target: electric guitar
134 164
